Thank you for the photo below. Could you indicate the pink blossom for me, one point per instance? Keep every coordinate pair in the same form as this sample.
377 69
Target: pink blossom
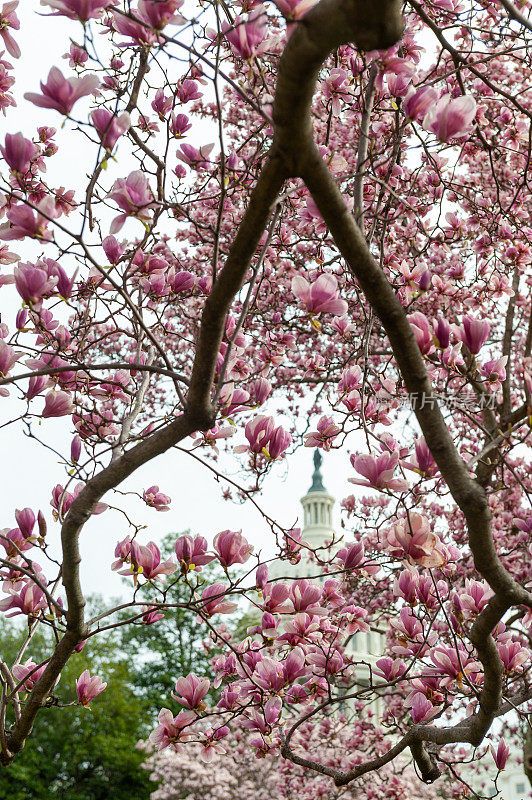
423 462
24 221
156 499
146 561
324 436
140 32
191 690
8 358
351 556
13 541
199 159
495 371
179 125
246 37
413 540
500 756
160 13
82 10
28 673
321 296
390 668
187 90
110 126
294 9
18 153
378 471
88 687
232 548
134 196
422 709
25 521
33 283
192 552
30 601
57 404
418 102
161 104
8 19
170 729
451 118
62 93
151 614
213 600
421 328
278 442
62 500
473 333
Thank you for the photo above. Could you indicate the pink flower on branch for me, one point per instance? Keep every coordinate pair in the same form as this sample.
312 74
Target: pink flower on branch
57 404
30 601
232 548
109 126
413 540
18 153
451 118
8 19
25 222
28 673
213 600
378 472
62 93
192 552
324 436
319 297
246 37
82 10
170 729
134 197
191 690
156 499
88 687
500 755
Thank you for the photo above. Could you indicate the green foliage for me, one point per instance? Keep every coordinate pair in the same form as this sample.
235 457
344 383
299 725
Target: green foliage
75 753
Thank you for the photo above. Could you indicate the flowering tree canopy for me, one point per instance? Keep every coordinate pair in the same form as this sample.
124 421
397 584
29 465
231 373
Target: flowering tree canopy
354 248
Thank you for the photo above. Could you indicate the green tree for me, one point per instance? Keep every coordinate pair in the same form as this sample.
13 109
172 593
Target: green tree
80 754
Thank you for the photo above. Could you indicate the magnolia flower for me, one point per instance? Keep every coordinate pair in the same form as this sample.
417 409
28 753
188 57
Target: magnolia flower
8 19
413 540
24 221
156 499
418 102
170 729
500 756
30 601
62 93
246 37
82 10
378 471
191 690
88 687
134 196
213 600
109 126
451 118
57 404
18 153
321 296
473 333
232 548
28 673
192 552
324 436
